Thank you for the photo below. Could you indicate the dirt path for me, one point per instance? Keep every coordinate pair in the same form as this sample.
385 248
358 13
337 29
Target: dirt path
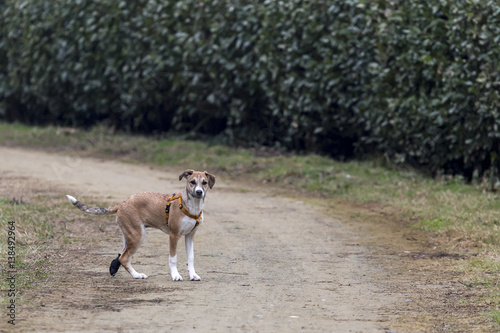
268 264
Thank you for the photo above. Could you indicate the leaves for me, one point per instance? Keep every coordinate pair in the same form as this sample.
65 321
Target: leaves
417 81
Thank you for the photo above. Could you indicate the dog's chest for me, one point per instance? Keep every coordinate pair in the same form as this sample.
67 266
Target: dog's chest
188 223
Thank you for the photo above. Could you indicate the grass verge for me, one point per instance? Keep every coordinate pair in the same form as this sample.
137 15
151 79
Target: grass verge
30 221
482 272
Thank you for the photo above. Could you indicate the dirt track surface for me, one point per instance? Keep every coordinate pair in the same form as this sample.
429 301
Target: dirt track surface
267 263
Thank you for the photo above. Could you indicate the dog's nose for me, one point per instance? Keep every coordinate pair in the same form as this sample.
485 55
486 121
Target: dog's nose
199 192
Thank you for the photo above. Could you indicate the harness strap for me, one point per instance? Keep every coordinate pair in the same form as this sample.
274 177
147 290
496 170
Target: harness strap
182 208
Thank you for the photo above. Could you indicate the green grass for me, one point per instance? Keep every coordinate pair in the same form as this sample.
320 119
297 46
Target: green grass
37 221
433 224
484 272
30 232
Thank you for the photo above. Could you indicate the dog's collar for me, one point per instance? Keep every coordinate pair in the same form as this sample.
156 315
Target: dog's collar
183 209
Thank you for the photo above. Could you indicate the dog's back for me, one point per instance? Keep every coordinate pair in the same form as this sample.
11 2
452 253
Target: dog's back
146 208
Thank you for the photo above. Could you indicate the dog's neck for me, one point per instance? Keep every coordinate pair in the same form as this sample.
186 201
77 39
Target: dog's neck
192 204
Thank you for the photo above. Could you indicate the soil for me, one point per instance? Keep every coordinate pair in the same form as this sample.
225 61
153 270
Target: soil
270 261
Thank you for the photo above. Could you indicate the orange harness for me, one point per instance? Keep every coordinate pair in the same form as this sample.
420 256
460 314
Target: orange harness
183 209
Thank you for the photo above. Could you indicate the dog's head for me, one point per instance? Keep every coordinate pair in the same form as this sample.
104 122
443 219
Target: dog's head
198 182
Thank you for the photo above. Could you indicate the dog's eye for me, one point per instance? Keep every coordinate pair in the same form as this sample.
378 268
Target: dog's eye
193 182
204 183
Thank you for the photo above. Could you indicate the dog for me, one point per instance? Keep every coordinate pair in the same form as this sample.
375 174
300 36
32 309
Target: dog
177 215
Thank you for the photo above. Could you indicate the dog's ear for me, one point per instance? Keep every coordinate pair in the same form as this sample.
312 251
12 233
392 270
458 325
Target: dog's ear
186 174
211 179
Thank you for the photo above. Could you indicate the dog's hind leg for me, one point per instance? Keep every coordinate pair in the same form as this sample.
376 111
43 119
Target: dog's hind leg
133 239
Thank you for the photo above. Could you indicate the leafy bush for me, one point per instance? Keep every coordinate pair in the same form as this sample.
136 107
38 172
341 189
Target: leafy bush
415 80
439 77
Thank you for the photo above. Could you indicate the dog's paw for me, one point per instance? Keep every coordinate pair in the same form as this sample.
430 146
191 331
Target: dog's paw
176 277
194 277
140 276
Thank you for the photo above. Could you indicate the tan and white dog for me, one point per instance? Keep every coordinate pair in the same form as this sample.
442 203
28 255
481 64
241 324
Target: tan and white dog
177 215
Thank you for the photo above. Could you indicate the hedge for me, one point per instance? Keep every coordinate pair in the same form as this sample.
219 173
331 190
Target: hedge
414 80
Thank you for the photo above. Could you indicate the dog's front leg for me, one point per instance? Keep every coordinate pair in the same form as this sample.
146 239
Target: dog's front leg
190 258
172 258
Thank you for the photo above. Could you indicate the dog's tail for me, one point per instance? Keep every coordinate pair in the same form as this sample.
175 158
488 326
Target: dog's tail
90 210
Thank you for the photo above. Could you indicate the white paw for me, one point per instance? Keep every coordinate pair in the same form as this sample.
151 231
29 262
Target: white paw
176 277
140 276
194 277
